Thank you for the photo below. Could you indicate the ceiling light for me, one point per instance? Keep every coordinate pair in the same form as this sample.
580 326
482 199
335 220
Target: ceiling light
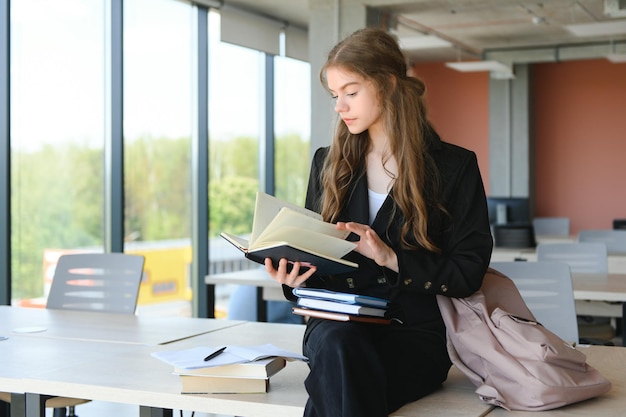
413 42
598 29
498 70
617 58
471 66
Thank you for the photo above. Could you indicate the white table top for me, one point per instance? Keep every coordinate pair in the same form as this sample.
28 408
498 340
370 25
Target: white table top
599 287
121 328
256 277
126 373
602 287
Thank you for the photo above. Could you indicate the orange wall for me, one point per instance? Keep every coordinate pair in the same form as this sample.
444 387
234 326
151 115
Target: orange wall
580 123
580 128
459 109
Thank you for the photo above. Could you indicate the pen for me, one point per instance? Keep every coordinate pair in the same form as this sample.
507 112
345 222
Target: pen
214 354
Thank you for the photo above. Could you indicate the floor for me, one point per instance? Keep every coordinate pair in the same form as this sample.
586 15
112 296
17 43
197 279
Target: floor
104 409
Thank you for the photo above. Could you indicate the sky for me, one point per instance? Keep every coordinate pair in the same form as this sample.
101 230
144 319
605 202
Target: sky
58 79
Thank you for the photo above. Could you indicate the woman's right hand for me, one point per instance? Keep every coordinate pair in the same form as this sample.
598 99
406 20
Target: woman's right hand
292 278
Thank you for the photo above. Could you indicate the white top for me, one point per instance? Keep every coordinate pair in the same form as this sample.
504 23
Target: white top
376 201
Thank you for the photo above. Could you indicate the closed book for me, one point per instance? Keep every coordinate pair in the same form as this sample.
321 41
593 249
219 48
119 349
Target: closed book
331 315
324 294
263 368
204 384
340 307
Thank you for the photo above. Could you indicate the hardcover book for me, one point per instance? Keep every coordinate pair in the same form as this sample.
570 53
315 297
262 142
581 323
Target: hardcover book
203 384
340 307
330 315
284 230
344 297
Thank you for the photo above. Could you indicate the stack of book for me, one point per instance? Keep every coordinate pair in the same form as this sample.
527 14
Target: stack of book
227 369
251 377
332 305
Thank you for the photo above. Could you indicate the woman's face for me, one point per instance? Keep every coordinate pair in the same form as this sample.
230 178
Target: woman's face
356 100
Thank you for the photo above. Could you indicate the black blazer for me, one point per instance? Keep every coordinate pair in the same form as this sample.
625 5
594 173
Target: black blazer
463 236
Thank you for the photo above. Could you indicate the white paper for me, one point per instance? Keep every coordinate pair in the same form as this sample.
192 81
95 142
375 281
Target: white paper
193 358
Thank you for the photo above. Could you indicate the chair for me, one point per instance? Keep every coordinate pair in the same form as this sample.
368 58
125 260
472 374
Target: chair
583 257
514 235
106 282
615 240
546 287
551 226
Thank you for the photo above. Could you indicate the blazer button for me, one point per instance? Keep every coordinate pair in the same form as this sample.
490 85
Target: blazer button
408 281
444 288
427 285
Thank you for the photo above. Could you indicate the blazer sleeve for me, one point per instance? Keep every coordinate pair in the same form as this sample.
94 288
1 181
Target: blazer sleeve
464 236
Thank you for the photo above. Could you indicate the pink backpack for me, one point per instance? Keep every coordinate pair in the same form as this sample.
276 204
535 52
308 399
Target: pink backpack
514 362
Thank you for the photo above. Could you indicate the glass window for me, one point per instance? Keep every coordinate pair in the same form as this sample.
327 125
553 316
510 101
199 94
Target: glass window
157 148
57 137
292 123
236 83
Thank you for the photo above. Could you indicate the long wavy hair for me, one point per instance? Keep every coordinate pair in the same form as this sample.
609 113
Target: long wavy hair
376 56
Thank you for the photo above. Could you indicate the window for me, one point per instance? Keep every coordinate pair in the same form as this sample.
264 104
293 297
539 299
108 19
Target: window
57 136
292 115
157 145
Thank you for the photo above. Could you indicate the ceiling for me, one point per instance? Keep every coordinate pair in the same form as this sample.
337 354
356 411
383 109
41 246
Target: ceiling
510 30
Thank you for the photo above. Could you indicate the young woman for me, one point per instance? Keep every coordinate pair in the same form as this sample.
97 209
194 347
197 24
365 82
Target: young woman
417 207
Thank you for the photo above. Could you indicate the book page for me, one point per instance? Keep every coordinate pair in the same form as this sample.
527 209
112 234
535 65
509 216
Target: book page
287 217
306 239
239 242
267 207
193 358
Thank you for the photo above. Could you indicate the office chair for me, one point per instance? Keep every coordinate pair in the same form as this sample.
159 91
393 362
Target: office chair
105 282
551 226
582 257
546 287
615 240
589 258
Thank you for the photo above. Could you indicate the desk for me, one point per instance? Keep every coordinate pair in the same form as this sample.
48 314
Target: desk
126 373
267 288
457 393
611 362
616 263
601 287
94 326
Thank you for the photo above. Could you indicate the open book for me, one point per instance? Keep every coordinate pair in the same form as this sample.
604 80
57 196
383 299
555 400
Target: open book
194 358
284 230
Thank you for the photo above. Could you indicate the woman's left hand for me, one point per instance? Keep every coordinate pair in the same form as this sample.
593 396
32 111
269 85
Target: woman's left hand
371 245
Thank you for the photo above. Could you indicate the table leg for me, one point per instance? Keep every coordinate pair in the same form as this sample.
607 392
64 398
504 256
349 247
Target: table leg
35 405
261 305
145 411
18 405
623 324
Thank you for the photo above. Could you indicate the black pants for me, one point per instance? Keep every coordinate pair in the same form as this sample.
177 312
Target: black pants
371 370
